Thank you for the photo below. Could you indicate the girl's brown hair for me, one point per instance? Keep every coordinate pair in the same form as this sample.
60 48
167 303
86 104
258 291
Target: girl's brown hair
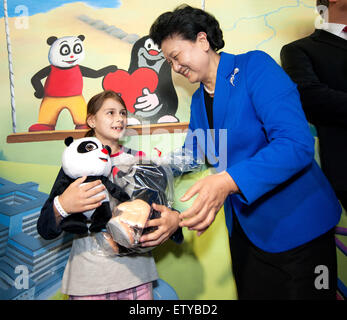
95 104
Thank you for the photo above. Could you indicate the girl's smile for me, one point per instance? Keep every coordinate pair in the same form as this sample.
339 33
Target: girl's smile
109 123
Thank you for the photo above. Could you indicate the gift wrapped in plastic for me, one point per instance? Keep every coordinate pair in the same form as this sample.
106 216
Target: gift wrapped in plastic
104 245
145 183
181 161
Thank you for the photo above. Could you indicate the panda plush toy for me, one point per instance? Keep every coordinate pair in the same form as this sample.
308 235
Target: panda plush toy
88 157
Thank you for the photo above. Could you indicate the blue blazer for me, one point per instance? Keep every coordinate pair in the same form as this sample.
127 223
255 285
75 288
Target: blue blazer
262 139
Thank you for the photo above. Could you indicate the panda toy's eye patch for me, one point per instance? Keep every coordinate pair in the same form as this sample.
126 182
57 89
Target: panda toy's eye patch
87 146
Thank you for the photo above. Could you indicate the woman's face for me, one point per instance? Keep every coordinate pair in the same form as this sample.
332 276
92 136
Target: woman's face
188 58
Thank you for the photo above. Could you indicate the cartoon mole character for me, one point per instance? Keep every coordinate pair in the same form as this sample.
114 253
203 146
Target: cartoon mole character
160 106
146 88
64 83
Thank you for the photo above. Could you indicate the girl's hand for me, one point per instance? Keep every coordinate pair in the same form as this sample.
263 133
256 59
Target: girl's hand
212 192
77 198
167 225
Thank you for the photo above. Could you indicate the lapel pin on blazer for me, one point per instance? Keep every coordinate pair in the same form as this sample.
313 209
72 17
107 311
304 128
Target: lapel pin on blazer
236 70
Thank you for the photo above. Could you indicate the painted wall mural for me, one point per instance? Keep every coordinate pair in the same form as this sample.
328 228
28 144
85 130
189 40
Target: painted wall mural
55 55
147 87
63 87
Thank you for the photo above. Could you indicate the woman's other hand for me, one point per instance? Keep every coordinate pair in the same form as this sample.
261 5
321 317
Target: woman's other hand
212 192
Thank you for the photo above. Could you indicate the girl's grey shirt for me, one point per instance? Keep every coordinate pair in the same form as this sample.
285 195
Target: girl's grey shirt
89 271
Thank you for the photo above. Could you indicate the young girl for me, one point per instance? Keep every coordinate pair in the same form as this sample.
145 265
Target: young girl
88 275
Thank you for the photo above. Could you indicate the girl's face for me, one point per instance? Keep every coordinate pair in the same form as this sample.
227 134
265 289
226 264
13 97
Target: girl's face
188 58
109 122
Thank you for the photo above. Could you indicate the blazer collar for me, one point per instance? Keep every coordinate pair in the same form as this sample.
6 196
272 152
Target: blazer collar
223 89
327 37
226 65
221 100
224 70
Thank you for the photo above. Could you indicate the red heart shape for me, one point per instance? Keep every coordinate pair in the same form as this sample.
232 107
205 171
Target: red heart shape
130 86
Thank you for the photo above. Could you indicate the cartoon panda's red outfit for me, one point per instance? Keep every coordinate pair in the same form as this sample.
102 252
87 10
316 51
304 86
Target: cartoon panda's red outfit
64 83
63 89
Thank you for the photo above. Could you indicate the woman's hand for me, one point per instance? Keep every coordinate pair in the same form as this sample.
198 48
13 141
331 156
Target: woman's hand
212 192
167 225
77 198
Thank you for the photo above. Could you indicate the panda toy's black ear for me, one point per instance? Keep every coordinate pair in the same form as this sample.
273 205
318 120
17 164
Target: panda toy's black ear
68 141
51 40
81 37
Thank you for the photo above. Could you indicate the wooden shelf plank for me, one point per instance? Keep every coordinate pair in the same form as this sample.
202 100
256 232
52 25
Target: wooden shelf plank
161 128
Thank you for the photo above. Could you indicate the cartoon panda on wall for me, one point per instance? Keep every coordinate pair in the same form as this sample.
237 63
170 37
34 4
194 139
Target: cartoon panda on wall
64 84
160 106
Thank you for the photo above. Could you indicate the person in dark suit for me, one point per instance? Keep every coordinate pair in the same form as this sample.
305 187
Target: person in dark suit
318 65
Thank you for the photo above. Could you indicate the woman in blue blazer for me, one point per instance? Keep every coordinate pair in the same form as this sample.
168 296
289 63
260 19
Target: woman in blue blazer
280 209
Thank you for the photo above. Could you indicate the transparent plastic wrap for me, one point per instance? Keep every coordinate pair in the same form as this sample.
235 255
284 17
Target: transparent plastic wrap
104 245
181 161
128 223
145 182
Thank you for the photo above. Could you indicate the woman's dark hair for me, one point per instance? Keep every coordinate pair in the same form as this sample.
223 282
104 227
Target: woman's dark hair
187 22
95 103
